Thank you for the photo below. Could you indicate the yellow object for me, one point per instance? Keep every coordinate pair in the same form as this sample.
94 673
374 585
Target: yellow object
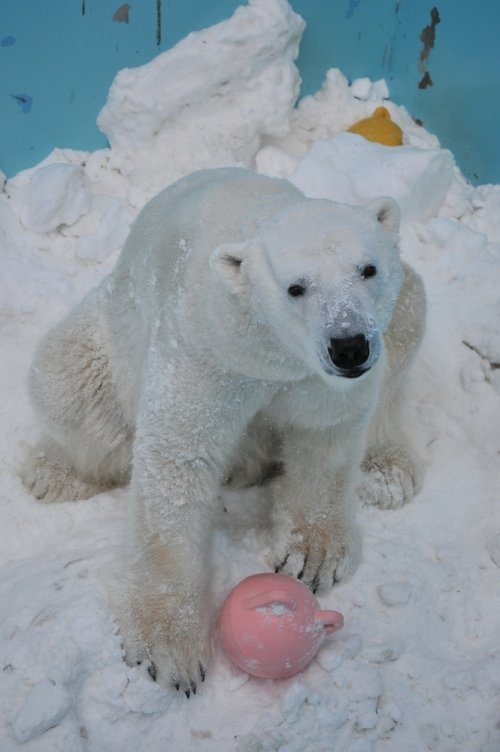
380 128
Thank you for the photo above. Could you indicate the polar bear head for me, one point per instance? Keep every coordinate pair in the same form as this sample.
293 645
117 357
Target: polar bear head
324 277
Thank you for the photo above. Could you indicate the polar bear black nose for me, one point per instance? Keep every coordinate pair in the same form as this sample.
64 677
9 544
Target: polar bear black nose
349 354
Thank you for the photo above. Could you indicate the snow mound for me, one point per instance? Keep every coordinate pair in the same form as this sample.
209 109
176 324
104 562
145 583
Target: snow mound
337 168
215 107
58 194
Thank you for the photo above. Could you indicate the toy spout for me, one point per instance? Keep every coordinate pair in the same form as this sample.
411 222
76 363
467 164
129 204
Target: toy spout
331 621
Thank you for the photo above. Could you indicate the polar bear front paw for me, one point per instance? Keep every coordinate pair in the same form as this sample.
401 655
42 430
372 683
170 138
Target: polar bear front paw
320 556
391 479
169 637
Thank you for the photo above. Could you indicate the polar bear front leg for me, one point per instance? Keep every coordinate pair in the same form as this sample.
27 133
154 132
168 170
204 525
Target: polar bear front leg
186 429
315 537
165 620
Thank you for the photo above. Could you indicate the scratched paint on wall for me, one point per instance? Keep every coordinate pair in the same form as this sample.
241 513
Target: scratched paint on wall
158 22
121 15
24 101
428 39
353 4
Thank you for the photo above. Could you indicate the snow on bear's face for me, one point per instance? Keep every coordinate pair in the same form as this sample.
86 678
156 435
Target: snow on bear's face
324 277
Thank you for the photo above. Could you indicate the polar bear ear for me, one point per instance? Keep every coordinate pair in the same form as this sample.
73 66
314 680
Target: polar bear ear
227 262
387 213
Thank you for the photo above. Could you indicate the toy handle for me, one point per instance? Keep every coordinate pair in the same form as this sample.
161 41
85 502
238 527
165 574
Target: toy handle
331 620
261 600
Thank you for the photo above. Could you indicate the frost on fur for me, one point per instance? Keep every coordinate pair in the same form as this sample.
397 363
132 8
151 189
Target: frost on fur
246 335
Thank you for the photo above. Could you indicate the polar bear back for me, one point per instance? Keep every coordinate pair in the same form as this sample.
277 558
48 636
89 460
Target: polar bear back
192 217
172 239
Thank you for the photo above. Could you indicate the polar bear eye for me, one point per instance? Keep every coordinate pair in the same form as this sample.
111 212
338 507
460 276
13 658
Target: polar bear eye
368 271
296 291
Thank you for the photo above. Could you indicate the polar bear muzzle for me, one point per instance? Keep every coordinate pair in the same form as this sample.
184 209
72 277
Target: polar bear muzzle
350 355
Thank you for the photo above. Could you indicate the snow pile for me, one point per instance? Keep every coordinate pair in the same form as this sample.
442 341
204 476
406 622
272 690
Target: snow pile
66 197
207 101
417 665
336 168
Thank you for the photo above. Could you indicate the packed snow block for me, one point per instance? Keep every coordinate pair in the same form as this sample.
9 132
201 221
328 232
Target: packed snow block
45 707
352 170
247 70
58 194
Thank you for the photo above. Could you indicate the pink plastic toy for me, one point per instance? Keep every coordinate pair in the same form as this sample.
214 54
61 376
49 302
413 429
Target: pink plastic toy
271 625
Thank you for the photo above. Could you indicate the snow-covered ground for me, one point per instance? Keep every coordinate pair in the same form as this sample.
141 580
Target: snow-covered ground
417 665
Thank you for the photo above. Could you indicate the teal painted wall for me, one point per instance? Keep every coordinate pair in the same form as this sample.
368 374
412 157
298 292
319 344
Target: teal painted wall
58 58
382 39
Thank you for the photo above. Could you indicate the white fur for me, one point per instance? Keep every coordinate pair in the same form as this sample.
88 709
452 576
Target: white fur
192 364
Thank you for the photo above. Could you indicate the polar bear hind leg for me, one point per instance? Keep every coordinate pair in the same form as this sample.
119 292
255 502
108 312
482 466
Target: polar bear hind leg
87 446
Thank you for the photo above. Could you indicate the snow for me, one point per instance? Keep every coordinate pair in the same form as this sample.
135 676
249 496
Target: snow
66 197
45 707
207 92
336 168
417 664
395 593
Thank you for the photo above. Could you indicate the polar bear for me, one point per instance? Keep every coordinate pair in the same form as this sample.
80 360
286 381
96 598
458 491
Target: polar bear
247 334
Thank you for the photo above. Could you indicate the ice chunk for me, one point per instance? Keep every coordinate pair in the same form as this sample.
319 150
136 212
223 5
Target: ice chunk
58 194
45 707
352 170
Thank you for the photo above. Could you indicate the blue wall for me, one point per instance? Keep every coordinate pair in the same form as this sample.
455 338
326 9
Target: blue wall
58 58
